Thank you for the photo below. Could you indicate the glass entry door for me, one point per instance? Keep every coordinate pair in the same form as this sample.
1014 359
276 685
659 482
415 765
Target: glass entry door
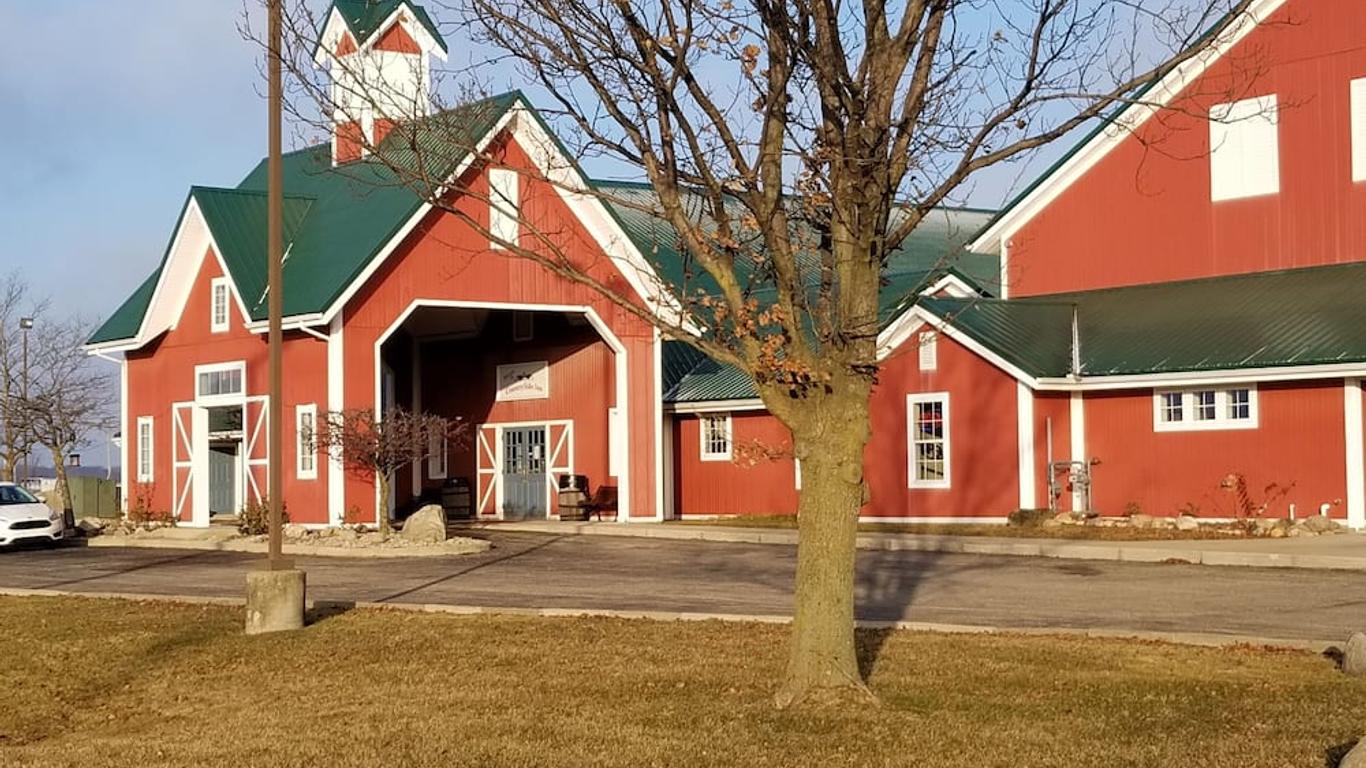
524 473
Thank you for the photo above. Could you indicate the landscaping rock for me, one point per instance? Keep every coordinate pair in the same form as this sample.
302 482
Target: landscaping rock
1356 758
1318 524
1141 521
427 525
1277 533
1186 523
293 531
90 526
343 535
1354 655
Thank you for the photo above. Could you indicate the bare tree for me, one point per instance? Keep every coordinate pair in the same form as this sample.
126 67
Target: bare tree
790 147
71 396
16 435
373 447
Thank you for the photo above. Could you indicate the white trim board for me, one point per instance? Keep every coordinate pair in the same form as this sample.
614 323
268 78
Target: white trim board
711 406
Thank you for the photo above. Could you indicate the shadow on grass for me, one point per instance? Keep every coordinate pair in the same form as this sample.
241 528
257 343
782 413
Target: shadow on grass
322 610
1332 757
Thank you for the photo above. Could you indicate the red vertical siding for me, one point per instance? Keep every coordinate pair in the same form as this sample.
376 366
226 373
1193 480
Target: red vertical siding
1143 214
1299 440
749 484
446 259
984 460
1051 408
459 381
163 373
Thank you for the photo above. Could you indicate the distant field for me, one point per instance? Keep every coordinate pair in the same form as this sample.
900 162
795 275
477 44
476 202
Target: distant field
113 683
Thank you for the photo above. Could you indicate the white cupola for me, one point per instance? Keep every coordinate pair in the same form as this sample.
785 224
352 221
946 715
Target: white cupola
378 55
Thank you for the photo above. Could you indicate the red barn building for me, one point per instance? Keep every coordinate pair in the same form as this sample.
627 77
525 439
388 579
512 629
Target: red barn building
1168 320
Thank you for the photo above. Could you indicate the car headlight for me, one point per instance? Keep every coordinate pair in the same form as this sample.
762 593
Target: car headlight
54 515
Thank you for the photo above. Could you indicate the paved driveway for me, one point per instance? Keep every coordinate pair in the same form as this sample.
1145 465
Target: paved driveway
527 570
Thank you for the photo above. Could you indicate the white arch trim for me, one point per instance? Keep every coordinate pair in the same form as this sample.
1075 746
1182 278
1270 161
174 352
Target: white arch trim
620 368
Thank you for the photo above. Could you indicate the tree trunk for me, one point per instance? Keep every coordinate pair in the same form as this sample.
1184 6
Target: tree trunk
63 487
830 443
383 512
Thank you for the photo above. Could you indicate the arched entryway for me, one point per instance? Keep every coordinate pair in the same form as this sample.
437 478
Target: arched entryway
541 390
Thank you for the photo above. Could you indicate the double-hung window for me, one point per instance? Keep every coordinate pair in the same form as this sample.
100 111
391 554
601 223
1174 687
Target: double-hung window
716 436
504 207
218 305
144 449
436 455
1177 410
306 441
927 418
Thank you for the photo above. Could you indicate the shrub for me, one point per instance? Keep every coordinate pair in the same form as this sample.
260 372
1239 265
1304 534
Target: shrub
1029 518
254 519
1132 508
141 511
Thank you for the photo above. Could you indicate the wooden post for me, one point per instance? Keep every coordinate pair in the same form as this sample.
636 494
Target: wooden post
274 253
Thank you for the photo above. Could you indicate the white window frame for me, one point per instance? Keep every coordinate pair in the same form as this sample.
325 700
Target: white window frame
912 476
504 207
1357 108
1244 149
704 420
306 455
929 351
219 288
228 398
146 464
1190 421
437 454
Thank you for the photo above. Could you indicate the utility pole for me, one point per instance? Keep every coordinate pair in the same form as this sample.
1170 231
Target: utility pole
25 323
274 251
275 593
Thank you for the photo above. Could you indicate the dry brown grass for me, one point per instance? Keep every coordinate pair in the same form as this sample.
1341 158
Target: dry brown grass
1084 532
111 683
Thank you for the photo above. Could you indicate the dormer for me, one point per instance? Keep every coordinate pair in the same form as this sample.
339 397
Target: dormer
378 55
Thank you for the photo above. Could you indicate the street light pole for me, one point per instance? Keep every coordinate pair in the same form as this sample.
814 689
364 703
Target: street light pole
25 323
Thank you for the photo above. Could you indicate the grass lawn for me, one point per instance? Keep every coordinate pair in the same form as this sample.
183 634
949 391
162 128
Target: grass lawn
113 683
1087 532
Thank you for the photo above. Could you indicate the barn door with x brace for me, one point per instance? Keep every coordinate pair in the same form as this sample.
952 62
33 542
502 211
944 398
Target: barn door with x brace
189 450
488 457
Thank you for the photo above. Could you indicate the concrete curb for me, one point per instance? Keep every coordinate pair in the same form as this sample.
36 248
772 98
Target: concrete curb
259 547
1136 552
1200 639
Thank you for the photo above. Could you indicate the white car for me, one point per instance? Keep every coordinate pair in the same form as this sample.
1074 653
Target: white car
23 517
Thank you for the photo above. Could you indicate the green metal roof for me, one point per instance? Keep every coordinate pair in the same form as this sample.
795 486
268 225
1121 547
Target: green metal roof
336 218
934 249
237 219
1308 316
690 376
363 17
126 320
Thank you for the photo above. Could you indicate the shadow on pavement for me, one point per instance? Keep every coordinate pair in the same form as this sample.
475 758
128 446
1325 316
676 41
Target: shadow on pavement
470 569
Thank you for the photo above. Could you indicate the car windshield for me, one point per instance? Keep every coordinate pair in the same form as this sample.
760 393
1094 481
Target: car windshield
13 494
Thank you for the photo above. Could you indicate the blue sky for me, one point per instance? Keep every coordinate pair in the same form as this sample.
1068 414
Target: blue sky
112 111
